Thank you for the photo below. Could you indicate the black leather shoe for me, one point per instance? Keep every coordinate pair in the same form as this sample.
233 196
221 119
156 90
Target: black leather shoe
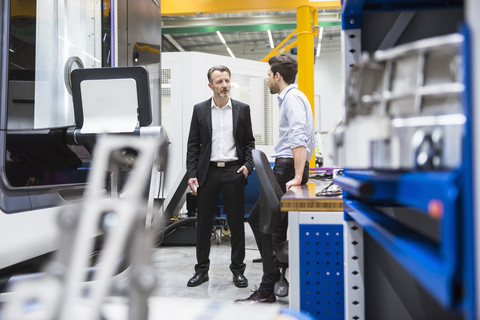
240 280
197 279
257 297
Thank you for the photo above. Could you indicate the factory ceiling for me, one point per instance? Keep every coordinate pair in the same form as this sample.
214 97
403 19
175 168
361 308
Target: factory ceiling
245 34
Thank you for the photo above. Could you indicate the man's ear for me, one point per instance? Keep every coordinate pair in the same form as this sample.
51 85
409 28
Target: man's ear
278 76
210 86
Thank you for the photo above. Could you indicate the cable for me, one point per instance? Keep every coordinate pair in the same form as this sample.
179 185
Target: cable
325 192
171 227
322 176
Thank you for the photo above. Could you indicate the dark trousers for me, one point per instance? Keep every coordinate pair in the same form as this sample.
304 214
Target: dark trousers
284 172
232 186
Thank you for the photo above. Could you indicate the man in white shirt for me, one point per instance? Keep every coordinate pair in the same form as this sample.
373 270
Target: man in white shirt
292 153
219 160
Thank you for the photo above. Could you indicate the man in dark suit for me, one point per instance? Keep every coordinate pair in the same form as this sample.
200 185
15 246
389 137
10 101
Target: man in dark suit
219 159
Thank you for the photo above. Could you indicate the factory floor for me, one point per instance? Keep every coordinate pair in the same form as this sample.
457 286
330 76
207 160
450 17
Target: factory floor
173 300
175 265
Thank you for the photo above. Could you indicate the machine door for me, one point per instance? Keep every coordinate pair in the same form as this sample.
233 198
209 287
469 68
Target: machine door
46 40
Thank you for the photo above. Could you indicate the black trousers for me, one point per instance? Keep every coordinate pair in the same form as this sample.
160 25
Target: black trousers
231 184
284 172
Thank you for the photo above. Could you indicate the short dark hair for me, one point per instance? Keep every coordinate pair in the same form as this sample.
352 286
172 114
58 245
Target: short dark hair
285 65
217 68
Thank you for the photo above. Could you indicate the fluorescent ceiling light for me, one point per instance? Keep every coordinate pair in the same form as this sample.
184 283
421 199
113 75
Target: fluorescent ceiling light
320 37
230 52
270 38
174 42
225 43
221 37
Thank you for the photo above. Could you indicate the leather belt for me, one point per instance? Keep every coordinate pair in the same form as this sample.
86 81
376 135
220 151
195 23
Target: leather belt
284 160
287 160
224 164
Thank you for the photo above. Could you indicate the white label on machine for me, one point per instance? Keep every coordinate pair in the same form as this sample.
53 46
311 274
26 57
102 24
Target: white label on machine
109 105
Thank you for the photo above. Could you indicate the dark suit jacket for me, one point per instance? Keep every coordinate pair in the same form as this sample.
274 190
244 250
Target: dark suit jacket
199 148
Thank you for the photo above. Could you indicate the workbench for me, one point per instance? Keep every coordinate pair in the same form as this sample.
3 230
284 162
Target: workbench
325 254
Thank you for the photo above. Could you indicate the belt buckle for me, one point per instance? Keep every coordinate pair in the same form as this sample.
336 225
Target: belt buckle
221 164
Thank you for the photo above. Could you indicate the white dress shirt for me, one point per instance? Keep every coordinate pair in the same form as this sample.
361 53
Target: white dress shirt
223 144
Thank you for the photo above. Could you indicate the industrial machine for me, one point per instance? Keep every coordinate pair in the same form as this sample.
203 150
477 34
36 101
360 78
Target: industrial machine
404 107
43 164
59 292
406 145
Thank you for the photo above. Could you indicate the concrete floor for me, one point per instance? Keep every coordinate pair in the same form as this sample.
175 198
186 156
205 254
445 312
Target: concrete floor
175 265
213 300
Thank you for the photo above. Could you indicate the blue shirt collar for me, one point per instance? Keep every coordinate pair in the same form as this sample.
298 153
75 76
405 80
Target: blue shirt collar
282 94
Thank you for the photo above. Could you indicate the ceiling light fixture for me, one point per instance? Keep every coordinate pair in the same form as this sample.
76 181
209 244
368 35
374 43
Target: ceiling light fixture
270 38
221 37
225 43
230 52
319 47
320 37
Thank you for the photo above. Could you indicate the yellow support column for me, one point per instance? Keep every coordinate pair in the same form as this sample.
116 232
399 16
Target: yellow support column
306 23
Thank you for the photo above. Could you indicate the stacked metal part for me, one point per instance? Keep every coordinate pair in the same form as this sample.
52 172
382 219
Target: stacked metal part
404 108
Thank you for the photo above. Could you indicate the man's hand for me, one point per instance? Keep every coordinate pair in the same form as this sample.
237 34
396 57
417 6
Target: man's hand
293 182
244 170
299 158
193 184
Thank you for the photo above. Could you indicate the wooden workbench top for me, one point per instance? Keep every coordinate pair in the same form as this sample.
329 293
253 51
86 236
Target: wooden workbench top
307 198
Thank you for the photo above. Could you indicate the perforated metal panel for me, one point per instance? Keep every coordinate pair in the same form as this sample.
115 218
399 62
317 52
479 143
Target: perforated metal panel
267 137
321 270
326 265
354 272
166 82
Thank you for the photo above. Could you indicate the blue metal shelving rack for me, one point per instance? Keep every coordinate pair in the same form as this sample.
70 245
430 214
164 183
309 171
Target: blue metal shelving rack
442 261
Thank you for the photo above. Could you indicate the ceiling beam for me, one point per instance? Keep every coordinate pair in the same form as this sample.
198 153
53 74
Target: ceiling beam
250 28
189 7
209 20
